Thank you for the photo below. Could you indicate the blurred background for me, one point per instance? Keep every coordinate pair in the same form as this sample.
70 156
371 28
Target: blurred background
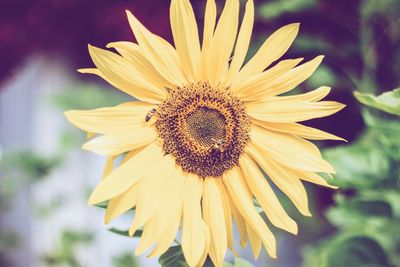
45 178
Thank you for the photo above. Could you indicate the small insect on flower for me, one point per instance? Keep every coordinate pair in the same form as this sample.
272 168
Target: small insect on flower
150 114
219 144
220 122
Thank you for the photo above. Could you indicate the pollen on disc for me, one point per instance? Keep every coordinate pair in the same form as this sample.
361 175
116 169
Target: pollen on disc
204 127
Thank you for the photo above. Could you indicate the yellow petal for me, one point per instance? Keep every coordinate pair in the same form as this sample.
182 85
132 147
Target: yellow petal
213 213
130 154
108 167
193 236
243 41
292 111
167 238
260 81
151 191
312 96
298 130
237 190
122 203
240 224
289 150
115 144
91 71
208 32
186 37
126 175
159 52
134 54
207 234
286 82
312 178
222 43
273 48
266 196
283 178
169 208
123 75
228 216
90 135
255 241
110 120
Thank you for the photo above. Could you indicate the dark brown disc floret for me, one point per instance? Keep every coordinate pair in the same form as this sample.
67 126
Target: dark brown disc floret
204 127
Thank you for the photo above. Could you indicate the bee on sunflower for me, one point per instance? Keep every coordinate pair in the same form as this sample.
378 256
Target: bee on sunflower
205 128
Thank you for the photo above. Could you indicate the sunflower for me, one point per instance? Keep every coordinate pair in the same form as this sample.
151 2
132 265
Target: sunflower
196 147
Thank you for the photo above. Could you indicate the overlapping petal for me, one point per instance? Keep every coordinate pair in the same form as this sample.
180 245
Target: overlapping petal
125 76
266 196
194 239
159 52
113 120
133 53
283 178
222 43
117 143
126 175
272 49
289 151
243 41
292 111
213 214
237 189
283 83
186 37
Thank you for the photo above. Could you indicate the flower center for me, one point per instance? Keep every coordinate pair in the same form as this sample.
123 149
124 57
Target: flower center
204 127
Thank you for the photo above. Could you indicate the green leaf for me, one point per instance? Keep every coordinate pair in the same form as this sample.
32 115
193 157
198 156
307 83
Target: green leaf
274 9
87 96
388 101
358 251
239 262
138 233
9 240
102 205
358 212
323 75
359 165
371 207
173 257
125 260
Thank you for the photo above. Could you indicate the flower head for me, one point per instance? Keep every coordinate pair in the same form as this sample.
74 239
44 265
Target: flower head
205 126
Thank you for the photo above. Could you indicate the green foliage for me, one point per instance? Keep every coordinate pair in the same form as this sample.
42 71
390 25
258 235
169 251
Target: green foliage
28 164
23 167
64 255
173 257
125 260
239 262
388 102
8 241
83 96
355 251
138 233
323 75
49 208
367 210
273 9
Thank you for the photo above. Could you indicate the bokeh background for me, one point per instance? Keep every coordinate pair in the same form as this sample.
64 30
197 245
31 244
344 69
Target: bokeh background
45 178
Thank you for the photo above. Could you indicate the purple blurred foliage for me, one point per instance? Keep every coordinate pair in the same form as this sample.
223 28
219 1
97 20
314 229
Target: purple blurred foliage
63 28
